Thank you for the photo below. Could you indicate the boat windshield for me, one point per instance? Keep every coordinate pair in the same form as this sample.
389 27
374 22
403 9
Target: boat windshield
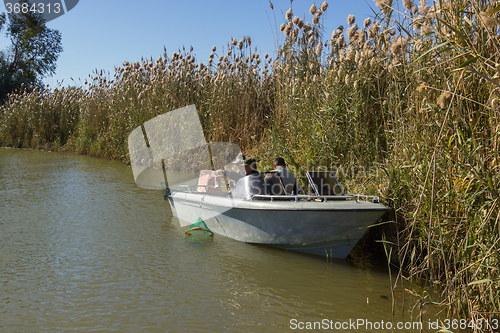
322 182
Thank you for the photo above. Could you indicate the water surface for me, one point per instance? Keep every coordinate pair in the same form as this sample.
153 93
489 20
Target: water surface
82 248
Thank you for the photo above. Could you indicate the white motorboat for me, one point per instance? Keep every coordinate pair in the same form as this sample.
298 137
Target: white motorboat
170 152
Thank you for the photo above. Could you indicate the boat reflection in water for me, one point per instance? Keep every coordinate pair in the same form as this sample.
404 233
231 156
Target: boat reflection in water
255 209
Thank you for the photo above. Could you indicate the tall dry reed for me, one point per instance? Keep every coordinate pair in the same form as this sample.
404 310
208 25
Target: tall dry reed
404 105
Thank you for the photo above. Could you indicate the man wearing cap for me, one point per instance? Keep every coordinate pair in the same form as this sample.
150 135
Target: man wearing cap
250 184
250 166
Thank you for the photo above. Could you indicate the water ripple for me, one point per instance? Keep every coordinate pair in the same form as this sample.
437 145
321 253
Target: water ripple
84 249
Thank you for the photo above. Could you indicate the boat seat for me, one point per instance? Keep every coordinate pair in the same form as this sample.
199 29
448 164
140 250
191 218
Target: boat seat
323 183
209 181
274 184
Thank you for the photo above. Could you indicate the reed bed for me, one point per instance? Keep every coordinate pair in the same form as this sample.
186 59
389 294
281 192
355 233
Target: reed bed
404 105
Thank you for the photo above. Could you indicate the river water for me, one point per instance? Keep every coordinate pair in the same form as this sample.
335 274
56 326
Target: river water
82 248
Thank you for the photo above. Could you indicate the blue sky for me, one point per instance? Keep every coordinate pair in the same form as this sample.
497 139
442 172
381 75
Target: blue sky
103 34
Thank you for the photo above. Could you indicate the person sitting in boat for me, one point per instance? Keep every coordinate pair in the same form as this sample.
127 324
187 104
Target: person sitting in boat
251 184
246 168
250 166
289 180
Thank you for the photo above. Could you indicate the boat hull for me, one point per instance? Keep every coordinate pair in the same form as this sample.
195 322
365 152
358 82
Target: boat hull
324 228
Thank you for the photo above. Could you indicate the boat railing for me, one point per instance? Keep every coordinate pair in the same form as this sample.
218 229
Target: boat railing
296 198
185 188
195 188
364 197
323 198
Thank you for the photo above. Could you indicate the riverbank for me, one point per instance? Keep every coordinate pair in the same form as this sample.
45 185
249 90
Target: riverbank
403 106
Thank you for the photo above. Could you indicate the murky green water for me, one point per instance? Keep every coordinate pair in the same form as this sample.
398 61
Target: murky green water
82 248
